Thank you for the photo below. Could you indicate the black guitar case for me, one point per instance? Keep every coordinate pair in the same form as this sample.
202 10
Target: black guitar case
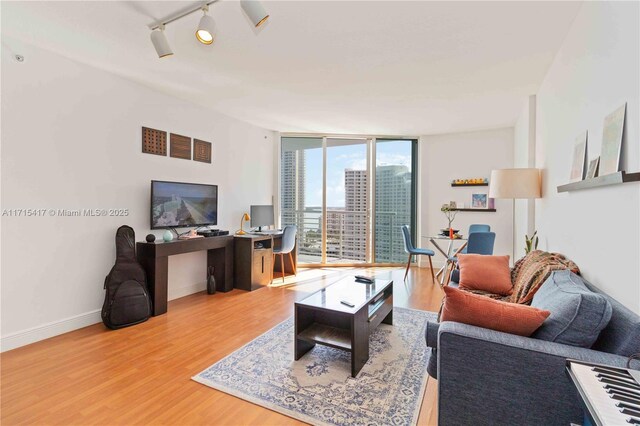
127 300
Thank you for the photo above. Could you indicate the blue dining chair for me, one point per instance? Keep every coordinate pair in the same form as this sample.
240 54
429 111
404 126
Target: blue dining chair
288 244
476 227
477 243
411 250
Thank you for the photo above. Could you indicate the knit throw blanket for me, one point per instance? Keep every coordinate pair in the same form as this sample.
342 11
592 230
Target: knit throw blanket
530 272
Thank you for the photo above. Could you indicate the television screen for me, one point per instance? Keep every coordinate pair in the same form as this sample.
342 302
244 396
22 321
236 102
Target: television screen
175 204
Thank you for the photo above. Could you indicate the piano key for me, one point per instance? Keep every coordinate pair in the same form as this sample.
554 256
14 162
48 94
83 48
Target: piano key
630 412
625 398
628 379
628 405
633 420
617 395
620 383
611 371
621 389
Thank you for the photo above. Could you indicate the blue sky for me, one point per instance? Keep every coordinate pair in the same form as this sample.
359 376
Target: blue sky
340 158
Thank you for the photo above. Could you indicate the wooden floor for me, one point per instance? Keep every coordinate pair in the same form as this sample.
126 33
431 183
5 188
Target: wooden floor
141 374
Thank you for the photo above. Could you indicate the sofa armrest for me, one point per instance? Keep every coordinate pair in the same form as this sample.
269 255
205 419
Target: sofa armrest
489 377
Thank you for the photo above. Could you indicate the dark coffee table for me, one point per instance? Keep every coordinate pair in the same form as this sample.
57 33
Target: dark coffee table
322 319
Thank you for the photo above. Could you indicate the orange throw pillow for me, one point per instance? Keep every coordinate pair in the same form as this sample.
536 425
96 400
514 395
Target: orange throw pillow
486 273
482 311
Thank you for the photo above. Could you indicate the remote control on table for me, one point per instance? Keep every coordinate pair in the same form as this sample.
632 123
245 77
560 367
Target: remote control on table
349 304
365 279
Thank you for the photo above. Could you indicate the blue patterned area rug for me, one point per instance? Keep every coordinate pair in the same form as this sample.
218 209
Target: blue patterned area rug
319 389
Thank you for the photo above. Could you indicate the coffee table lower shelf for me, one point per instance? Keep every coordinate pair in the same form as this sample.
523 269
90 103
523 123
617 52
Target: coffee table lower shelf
326 335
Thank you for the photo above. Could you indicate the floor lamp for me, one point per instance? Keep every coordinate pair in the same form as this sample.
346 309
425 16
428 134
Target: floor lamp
515 184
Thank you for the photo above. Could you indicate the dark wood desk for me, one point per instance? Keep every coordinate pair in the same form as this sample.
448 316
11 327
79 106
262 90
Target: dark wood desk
154 258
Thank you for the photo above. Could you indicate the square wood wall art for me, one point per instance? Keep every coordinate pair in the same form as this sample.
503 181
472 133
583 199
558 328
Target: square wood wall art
180 146
201 151
154 141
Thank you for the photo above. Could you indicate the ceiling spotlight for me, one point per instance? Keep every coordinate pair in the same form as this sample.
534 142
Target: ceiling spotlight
255 11
206 32
160 42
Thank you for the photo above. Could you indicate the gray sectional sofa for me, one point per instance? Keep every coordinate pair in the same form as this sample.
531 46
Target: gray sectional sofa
486 377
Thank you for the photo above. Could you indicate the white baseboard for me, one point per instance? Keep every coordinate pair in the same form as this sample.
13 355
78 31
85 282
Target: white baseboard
45 331
55 328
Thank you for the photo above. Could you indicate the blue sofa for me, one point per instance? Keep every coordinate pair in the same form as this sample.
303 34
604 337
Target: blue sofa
486 377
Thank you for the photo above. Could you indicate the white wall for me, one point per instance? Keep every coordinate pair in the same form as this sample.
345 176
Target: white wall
524 145
71 138
595 71
444 158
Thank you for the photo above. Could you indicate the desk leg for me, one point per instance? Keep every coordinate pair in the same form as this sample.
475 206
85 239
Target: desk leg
158 282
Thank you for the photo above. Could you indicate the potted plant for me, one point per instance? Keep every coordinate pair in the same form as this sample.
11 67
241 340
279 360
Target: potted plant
450 213
531 243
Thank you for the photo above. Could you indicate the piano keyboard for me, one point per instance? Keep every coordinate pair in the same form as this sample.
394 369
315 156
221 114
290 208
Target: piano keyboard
611 394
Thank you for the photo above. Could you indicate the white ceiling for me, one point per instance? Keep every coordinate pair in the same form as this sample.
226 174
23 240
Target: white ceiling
365 67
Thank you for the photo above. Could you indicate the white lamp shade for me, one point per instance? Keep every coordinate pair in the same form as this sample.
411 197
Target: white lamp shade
160 43
515 183
255 11
206 32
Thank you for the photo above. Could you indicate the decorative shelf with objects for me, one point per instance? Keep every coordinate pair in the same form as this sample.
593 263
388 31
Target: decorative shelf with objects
606 180
474 210
470 184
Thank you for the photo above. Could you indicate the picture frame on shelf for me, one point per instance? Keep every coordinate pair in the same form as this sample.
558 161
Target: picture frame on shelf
579 158
592 171
479 201
612 141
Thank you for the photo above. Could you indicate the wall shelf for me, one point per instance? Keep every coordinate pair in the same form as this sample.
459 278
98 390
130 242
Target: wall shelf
606 180
469 184
474 210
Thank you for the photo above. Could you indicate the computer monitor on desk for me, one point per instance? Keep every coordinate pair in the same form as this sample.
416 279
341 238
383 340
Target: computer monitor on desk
262 216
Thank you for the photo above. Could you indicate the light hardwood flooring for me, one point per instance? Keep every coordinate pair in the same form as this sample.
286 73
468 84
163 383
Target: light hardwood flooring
141 374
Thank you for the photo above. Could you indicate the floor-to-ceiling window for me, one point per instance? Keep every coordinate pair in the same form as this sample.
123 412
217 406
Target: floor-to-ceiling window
394 197
348 196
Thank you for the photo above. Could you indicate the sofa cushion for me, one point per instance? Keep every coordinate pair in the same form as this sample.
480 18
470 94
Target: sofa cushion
622 335
462 306
578 315
530 272
486 273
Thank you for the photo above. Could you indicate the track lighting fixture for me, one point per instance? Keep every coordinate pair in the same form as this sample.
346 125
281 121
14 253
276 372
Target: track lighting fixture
206 30
255 11
160 42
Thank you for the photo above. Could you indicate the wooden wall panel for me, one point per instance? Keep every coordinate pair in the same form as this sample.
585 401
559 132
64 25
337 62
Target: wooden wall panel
201 151
154 141
180 146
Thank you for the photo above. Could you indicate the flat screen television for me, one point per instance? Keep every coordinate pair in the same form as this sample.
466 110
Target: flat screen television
178 204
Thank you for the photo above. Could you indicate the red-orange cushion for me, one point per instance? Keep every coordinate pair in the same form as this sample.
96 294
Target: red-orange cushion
482 311
486 273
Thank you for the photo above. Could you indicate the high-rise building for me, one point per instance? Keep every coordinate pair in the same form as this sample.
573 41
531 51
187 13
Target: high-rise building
354 233
292 198
393 209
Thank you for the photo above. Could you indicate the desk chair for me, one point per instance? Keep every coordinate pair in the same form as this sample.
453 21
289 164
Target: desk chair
287 246
411 250
478 243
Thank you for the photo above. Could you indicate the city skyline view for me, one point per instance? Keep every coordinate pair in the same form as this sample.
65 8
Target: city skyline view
348 198
351 157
